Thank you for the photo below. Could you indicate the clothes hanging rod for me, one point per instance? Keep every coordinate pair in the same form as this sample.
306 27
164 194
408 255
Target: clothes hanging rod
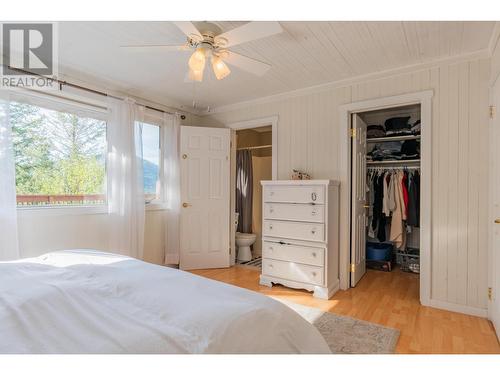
83 88
400 167
254 147
381 162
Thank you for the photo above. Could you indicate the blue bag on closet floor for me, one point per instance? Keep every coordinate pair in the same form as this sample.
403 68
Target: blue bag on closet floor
378 251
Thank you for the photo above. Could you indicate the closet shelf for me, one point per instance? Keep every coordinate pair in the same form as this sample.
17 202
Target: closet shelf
391 139
384 162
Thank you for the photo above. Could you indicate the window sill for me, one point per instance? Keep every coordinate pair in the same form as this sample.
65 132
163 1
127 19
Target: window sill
156 207
77 210
57 211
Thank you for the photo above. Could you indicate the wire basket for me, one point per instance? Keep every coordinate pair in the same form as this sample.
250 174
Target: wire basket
409 260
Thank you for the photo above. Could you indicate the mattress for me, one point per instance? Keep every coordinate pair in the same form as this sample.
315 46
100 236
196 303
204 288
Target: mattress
86 301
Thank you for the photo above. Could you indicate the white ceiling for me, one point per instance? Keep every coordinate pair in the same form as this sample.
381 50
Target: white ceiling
305 54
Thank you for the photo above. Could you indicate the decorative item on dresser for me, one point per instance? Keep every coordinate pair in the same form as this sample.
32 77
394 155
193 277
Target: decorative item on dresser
300 235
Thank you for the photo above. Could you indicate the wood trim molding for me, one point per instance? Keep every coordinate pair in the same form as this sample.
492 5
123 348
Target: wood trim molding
469 310
258 123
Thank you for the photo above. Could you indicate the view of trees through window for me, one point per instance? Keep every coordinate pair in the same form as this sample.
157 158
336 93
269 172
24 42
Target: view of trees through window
151 160
59 156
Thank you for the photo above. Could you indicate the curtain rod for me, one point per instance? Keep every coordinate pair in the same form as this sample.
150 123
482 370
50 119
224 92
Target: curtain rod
254 147
83 88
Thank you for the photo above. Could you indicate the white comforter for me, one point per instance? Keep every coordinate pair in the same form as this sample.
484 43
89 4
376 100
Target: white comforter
84 301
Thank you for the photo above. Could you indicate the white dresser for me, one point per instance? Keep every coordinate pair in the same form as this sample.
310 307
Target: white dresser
300 235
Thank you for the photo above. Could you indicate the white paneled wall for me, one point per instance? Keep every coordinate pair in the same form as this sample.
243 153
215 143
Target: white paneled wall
308 140
40 233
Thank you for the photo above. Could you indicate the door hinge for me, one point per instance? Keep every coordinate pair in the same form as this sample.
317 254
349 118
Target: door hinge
490 292
230 251
493 111
353 132
353 268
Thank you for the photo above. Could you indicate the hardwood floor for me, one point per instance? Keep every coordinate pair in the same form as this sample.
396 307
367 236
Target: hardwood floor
390 299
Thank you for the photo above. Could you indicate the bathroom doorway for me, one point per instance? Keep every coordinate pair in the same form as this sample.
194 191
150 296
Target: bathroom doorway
253 159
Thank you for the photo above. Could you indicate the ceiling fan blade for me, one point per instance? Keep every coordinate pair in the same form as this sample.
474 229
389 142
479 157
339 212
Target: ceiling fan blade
159 47
250 31
246 63
188 28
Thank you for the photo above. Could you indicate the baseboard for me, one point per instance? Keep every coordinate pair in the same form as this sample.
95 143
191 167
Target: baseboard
334 288
468 310
172 259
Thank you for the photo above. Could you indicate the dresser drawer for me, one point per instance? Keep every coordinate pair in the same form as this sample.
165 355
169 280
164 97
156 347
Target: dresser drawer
294 229
294 194
298 212
293 271
314 256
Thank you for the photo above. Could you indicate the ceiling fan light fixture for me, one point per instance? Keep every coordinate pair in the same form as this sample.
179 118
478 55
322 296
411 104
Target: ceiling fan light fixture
220 68
198 59
195 75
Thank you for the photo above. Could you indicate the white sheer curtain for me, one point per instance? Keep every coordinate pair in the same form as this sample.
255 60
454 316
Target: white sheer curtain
172 185
9 246
125 178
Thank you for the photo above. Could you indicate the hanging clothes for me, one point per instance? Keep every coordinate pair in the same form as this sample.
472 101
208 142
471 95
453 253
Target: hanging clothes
394 198
398 233
414 200
404 186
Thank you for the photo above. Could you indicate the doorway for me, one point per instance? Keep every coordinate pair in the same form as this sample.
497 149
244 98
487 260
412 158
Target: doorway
353 176
385 180
253 159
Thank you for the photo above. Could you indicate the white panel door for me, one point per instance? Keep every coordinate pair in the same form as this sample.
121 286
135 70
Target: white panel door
205 218
494 262
358 198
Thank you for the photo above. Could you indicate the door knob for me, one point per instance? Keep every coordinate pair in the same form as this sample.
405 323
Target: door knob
185 205
497 221
184 156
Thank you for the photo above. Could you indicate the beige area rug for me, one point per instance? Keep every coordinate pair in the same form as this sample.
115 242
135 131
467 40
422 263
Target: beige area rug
345 335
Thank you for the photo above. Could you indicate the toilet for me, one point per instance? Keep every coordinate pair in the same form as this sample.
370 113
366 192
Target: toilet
243 242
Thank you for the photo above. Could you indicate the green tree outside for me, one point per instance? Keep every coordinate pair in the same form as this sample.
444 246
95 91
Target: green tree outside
57 153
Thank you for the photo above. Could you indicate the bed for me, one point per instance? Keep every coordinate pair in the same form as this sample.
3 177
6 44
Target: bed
86 301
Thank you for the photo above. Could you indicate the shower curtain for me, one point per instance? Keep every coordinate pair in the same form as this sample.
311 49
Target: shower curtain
244 190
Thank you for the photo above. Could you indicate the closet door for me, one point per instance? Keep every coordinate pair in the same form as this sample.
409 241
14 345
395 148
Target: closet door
358 199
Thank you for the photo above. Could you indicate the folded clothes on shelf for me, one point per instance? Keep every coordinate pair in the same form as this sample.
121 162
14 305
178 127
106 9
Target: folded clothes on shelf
375 131
395 150
397 126
394 126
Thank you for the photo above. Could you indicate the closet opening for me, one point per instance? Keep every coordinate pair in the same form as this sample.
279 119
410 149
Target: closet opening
386 155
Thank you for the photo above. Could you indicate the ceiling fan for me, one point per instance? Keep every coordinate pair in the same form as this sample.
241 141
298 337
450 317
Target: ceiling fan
206 41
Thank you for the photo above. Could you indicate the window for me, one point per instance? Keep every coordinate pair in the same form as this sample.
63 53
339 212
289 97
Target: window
60 156
151 161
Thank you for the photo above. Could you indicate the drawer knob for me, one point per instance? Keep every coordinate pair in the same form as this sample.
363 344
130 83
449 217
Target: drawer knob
271 210
313 231
270 266
270 226
313 196
314 273
271 193
271 248
313 213
314 254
